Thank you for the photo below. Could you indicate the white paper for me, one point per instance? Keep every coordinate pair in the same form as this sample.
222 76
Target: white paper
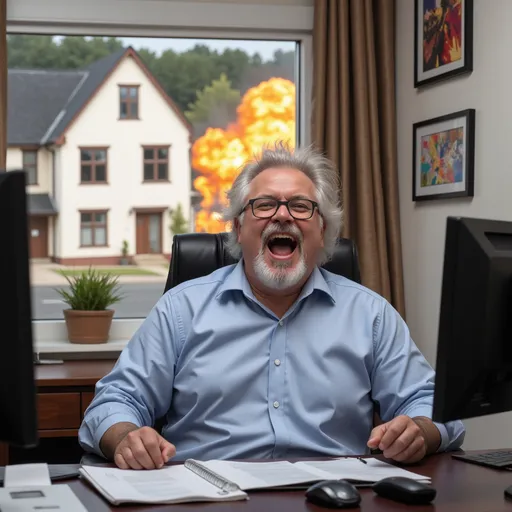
353 469
27 475
51 498
259 475
171 484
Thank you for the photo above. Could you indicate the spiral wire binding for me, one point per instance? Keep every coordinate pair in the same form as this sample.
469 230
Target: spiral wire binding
210 476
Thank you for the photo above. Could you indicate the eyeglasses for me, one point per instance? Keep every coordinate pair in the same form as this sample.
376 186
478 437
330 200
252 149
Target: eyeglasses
266 207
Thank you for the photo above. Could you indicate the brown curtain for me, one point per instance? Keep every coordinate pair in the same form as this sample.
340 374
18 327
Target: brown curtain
354 122
3 84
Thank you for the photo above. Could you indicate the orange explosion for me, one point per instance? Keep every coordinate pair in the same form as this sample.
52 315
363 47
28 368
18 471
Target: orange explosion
265 115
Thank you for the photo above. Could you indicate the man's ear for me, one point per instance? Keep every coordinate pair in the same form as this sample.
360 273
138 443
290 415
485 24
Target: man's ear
236 227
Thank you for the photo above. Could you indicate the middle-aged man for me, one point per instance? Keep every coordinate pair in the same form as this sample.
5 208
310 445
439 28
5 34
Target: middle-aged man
273 357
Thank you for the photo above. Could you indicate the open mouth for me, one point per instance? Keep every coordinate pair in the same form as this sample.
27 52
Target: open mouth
282 246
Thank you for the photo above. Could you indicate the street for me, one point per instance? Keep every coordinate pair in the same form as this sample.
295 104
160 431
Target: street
139 299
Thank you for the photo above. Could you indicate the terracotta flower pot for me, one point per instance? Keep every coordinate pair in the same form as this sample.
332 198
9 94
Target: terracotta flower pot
88 327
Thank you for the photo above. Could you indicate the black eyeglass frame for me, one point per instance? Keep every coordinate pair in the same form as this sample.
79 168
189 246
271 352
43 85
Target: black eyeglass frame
279 203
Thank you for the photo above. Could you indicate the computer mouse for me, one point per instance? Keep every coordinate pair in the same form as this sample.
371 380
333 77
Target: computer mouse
334 494
404 490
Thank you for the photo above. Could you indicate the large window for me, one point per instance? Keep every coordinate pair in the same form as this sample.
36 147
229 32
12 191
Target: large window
93 165
93 228
30 166
202 108
156 163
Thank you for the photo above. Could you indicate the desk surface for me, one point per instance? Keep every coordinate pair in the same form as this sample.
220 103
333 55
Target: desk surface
72 373
461 487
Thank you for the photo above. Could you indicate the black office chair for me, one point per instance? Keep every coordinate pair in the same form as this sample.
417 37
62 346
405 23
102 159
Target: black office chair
199 254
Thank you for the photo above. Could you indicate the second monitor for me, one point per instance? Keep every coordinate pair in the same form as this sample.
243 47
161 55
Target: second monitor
474 353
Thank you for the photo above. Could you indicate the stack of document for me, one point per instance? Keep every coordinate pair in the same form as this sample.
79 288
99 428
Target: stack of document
217 480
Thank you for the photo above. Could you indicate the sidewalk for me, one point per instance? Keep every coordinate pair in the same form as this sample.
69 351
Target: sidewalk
45 274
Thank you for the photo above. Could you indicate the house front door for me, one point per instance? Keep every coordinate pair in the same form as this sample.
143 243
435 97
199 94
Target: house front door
149 233
38 237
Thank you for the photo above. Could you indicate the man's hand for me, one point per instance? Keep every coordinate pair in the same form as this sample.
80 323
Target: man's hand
405 439
143 448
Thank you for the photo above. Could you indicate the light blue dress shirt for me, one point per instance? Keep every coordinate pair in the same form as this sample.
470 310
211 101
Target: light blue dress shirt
236 381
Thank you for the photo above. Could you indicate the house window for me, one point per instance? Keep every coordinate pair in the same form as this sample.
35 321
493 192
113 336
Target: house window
30 166
93 229
93 165
128 101
156 163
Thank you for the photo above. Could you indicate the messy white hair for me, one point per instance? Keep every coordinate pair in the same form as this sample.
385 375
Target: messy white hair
315 166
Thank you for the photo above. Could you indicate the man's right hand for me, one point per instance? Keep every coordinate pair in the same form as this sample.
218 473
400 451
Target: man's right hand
131 447
143 448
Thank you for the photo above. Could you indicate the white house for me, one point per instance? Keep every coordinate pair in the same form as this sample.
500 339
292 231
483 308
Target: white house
107 155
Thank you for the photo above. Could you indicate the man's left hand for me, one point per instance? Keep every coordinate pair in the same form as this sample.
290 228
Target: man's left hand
402 439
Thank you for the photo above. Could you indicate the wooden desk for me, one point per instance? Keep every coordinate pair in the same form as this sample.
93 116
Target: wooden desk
63 393
461 487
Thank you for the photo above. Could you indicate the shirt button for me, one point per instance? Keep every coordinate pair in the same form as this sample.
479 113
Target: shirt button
276 405
277 362
281 323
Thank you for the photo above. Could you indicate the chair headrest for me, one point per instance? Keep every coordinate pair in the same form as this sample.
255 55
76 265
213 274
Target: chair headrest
199 254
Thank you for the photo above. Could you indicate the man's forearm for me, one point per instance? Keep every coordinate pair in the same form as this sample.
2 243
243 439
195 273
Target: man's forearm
430 432
113 436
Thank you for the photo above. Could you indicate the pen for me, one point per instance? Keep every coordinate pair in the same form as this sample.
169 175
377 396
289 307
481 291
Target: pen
362 460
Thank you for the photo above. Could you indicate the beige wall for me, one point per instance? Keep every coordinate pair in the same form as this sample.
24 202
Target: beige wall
44 168
487 90
99 125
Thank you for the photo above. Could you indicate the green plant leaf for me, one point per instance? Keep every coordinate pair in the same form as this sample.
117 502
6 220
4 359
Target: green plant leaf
91 291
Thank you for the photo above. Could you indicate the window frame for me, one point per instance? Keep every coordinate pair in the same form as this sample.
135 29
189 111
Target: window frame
93 225
155 162
92 164
128 102
143 18
34 166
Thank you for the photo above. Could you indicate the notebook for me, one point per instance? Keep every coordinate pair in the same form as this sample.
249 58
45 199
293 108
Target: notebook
220 480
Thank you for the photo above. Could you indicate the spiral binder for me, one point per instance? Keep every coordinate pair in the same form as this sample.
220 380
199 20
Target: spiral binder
225 486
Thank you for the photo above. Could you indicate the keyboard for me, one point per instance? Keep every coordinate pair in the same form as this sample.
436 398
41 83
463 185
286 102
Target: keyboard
498 459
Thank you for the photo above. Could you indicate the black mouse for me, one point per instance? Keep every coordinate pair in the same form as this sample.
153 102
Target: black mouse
404 490
334 494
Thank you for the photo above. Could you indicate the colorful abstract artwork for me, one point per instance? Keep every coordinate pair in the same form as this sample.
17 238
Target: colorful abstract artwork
443 39
443 150
442 157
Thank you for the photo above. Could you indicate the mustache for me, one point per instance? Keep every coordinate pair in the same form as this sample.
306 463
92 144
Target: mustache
290 229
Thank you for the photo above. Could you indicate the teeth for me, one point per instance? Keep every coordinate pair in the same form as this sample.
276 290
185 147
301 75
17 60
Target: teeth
281 236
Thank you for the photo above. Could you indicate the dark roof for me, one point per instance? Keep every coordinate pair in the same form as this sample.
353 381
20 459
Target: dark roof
41 103
35 98
40 204
96 74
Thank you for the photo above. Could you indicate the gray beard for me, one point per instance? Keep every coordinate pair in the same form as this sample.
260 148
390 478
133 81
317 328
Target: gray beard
277 277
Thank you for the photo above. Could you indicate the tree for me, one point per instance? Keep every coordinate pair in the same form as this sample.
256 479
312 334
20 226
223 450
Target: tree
179 224
215 104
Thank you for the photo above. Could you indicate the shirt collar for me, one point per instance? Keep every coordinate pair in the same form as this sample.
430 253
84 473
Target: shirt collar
236 280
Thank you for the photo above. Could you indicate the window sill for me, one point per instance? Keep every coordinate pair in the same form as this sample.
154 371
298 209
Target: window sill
50 340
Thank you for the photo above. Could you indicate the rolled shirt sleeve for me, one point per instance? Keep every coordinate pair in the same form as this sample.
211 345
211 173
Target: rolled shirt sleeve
402 379
139 388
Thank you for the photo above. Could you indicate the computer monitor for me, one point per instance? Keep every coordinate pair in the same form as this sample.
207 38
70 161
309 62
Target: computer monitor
18 416
474 352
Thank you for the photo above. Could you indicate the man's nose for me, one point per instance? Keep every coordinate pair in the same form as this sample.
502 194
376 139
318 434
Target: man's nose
282 214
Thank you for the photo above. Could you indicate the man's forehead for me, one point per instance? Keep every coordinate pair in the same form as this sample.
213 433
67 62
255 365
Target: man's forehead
282 180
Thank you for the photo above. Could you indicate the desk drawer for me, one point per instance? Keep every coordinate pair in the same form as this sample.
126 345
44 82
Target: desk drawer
58 410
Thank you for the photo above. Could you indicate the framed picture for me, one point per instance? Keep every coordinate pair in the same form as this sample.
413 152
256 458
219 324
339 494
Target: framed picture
444 156
443 39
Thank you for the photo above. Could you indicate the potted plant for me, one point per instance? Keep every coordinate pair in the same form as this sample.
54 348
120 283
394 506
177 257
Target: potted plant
124 251
88 318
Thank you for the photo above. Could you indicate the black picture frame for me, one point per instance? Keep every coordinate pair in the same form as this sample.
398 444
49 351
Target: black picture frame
428 73
444 156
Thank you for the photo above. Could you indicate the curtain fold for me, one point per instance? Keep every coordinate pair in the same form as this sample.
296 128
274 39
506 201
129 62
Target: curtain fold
3 83
354 123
